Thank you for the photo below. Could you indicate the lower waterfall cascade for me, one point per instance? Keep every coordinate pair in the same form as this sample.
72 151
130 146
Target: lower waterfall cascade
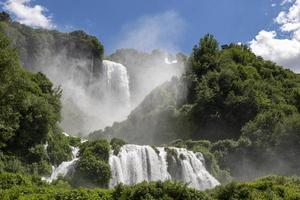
135 163
65 167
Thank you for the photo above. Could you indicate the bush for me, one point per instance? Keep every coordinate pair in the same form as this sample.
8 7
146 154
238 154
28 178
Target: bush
116 145
92 169
58 149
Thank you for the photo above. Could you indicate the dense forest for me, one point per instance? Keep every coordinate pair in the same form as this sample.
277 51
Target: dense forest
240 111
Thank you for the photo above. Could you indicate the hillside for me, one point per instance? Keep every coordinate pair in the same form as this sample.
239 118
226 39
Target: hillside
221 92
41 48
245 105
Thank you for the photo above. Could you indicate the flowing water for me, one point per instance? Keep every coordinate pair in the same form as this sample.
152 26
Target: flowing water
65 167
134 164
117 81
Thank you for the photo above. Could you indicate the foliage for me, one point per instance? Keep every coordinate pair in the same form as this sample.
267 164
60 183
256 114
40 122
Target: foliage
58 148
30 139
30 108
248 108
116 144
16 186
157 190
92 169
34 44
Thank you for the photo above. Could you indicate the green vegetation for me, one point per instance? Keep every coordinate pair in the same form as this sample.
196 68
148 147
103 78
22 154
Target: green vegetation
15 186
38 47
116 145
74 56
248 108
29 113
92 169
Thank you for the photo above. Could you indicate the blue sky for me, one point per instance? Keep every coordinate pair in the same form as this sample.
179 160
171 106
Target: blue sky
174 25
228 20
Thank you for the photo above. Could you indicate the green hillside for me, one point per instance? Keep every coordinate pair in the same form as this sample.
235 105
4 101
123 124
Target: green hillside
248 108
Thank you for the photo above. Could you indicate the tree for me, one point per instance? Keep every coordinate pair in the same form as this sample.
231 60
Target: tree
29 107
205 56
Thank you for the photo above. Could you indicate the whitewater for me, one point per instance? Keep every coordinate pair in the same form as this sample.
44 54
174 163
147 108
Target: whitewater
135 163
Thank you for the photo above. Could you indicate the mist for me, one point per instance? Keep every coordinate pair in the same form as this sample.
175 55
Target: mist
148 47
148 70
98 92
90 100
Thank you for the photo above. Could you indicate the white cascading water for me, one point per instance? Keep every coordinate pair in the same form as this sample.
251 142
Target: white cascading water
98 104
63 169
193 170
117 80
135 164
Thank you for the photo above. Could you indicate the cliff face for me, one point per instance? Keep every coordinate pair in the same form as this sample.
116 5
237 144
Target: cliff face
40 48
70 60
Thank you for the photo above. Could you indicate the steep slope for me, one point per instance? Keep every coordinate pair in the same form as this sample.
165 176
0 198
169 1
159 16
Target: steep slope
40 48
226 93
219 94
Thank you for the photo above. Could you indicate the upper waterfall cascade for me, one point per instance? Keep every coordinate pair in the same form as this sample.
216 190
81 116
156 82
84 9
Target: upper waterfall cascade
116 77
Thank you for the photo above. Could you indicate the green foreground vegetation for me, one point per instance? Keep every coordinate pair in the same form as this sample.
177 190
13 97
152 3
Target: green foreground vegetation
15 186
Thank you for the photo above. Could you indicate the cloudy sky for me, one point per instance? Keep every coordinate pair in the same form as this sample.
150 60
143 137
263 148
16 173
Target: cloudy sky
270 27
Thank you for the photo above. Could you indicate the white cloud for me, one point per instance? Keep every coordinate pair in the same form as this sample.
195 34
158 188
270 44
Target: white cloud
154 31
286 2
284 51
27 14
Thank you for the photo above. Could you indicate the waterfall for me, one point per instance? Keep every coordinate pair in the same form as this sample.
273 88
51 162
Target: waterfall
117 80
98 102
135 164
65 167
